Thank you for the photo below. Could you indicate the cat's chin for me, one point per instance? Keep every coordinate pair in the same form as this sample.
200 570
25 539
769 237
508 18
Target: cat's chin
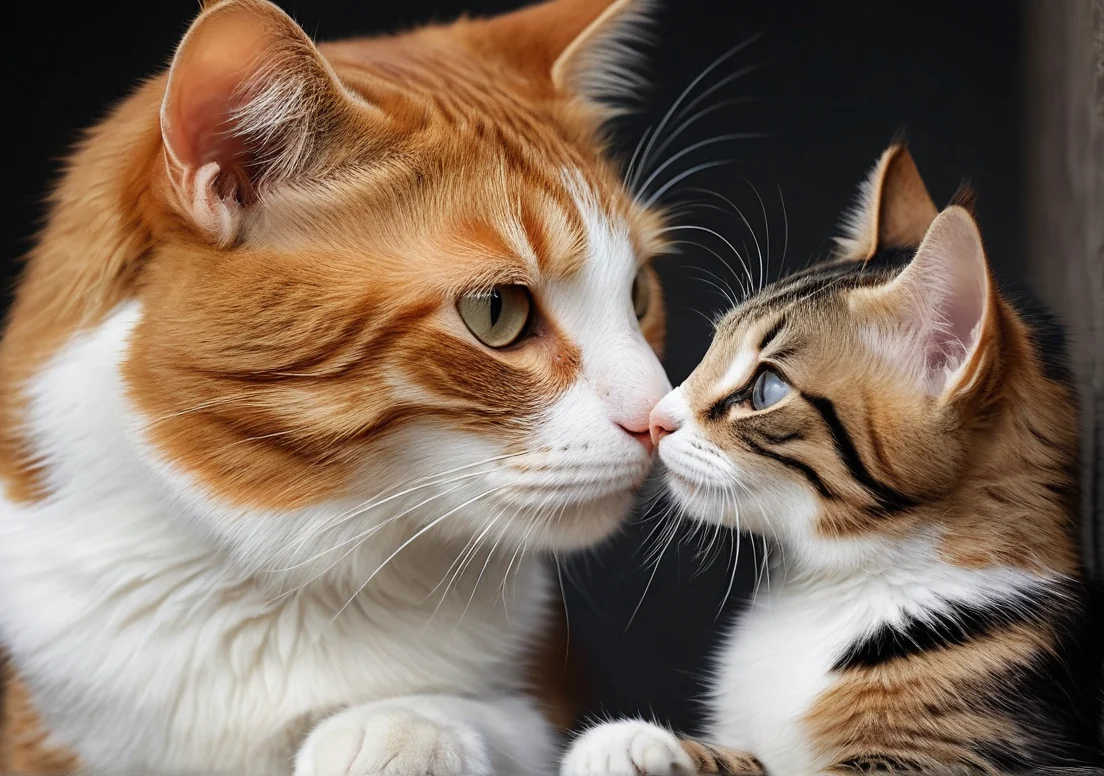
568 524
586 524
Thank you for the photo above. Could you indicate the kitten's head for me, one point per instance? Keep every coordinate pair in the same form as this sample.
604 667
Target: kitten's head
398 276
849 402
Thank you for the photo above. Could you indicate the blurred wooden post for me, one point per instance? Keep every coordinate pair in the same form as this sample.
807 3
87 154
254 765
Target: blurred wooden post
1065 189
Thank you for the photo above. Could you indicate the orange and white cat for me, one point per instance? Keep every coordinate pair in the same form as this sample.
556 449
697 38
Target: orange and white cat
316 343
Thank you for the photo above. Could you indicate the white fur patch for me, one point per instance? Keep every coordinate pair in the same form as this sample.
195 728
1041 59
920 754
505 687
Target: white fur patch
152 641
860 222
626 748
739 371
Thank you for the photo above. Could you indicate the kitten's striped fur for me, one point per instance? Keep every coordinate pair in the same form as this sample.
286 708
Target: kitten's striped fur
927 611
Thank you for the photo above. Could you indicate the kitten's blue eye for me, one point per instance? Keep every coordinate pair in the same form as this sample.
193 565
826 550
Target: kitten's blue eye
769 389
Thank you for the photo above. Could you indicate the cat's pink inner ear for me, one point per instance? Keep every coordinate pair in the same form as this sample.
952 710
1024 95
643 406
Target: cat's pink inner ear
220 54
944 297
239 106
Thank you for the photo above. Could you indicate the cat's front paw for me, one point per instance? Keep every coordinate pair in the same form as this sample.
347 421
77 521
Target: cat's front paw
395 742
629 748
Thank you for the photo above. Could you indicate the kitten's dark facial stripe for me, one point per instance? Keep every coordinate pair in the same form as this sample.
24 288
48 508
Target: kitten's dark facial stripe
799 466
772 333
959 625
721 408
879 269
781 439
889 500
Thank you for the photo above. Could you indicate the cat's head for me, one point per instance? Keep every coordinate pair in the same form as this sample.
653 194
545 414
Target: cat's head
398 276
849 403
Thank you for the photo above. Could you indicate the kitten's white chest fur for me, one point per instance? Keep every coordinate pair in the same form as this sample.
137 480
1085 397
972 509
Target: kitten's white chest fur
771 668
144 648
780 656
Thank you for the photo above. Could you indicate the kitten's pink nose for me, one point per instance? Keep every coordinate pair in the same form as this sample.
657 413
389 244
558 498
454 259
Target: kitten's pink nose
662 422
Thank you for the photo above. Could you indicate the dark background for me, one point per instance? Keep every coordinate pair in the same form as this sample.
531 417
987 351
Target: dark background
827 85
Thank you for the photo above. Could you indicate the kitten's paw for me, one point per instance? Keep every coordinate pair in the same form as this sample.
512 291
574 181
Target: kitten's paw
395 742
629 748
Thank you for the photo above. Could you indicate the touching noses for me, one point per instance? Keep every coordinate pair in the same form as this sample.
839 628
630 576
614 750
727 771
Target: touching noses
665 419
630 399
634 417
639 431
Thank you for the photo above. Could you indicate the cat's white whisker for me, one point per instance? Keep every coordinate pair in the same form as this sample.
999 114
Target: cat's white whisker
753 283
412 485
686 93
420 532
677 179
726 138
689 122
719 236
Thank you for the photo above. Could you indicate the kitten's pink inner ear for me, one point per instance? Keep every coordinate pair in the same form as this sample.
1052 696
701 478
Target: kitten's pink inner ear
933 319
946 292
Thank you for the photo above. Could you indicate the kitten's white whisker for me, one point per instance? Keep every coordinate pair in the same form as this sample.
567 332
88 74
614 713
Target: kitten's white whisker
648 585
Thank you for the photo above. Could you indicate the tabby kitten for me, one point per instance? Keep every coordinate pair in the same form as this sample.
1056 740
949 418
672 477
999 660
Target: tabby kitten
906 439
316 344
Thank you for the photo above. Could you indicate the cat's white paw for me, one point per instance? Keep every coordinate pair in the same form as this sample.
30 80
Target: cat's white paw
392 742
628 748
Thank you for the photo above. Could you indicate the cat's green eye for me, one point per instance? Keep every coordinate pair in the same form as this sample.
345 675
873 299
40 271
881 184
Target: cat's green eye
497 318
769 389
641 293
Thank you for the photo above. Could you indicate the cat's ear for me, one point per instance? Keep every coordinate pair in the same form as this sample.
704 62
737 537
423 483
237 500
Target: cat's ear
894 209
588 48
937 318
247 95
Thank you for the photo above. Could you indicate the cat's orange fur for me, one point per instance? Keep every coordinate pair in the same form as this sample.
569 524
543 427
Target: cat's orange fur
239 304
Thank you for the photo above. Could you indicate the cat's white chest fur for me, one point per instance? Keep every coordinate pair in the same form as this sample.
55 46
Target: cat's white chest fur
146 651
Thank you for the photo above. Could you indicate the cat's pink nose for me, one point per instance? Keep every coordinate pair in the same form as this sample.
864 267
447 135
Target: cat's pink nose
640 432
662 422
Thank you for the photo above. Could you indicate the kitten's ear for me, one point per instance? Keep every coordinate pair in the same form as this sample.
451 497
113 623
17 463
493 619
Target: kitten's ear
583 47
894 208
940 309
247 94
